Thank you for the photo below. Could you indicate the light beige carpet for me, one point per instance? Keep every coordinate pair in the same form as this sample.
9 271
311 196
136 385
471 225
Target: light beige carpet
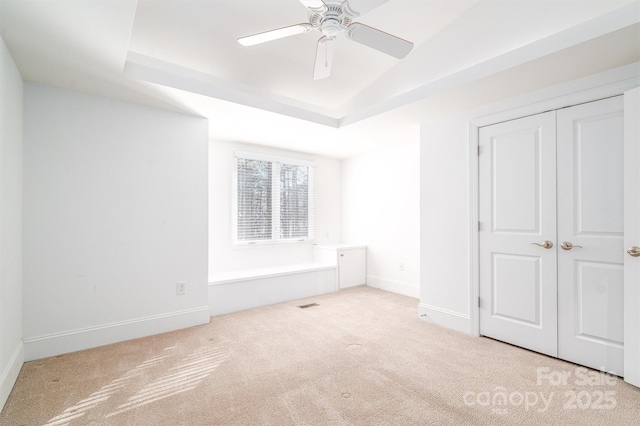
361 357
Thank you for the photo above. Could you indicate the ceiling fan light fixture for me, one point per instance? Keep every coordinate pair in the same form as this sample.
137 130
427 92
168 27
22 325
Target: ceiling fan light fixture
331 27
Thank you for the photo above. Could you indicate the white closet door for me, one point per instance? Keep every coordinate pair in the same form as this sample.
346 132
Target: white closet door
517 194
632 236
590 234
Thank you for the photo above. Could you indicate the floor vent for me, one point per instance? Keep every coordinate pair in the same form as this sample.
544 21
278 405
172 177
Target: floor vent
310 305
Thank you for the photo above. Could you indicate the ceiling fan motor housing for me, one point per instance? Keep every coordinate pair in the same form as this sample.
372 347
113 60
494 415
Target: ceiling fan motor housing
335 19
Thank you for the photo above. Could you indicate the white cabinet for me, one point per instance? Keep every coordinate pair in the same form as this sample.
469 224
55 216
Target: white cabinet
351 261
352 266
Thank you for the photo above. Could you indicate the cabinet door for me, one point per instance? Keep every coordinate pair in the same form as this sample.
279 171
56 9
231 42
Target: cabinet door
352 266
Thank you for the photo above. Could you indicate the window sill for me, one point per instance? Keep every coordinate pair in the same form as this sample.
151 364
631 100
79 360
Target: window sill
268 243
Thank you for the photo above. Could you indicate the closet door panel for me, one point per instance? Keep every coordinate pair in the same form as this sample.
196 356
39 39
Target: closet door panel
632 236
590 234
517 181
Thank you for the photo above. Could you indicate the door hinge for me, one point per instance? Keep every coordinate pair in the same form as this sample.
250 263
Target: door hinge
478 301
478 149
478 226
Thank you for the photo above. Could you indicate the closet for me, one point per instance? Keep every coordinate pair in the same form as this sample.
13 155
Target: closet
551 252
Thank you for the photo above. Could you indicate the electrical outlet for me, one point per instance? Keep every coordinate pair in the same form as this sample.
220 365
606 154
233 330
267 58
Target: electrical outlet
401 267
181 288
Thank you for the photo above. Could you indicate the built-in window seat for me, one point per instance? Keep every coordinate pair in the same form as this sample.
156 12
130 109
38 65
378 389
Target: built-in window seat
232 291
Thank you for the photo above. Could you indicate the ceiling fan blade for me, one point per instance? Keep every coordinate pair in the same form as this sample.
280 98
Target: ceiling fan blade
379 40
274 34
324 58
314 5
360 7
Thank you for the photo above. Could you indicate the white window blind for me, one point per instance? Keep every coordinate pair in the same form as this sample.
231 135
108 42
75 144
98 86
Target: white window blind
275 200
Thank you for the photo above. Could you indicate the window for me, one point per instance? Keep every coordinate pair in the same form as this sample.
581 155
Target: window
274 199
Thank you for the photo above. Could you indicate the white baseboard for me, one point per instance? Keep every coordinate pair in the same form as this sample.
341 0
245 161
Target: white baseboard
394 286
444 317
10 374
91 337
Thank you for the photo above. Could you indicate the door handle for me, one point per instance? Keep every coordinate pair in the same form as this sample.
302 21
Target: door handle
634 251
566 245
546 244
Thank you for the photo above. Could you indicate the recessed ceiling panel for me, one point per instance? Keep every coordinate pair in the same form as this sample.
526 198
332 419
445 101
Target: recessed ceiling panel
202 35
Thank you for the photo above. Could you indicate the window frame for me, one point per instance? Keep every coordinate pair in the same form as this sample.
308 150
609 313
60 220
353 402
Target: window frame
275 199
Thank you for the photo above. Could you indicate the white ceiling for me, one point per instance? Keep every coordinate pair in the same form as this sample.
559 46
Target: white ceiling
183 55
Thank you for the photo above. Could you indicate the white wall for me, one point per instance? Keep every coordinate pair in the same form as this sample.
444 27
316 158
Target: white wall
448 274
381 208
444 211
11 348
115 213
223 254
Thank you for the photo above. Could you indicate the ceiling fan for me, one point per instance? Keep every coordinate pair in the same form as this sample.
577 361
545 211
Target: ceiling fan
331 17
